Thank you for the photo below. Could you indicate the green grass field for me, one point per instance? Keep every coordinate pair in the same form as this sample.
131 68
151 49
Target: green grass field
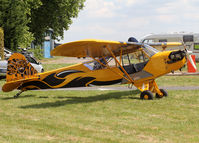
178 81
98 116
48 67
101 116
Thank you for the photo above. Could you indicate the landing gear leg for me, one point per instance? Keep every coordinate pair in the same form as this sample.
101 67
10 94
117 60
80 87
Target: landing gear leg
17 95
159 92
147 90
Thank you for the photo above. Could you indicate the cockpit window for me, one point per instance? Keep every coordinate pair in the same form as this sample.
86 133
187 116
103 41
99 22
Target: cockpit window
128 59
150 51
94 65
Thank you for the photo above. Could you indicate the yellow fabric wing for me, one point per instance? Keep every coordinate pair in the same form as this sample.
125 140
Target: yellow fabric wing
94 48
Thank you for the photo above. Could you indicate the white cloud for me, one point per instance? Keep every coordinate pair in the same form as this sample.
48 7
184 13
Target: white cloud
135 22
108 8
128 2
178 11
118 19
166 18
168 8
191 16
100 8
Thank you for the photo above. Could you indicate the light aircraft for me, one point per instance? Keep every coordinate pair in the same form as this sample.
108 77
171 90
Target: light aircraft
22 76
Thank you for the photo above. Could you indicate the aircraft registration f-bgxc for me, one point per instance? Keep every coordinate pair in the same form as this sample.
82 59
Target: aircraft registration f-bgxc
22 76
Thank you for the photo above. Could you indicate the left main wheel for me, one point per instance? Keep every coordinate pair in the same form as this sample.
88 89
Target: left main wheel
146 95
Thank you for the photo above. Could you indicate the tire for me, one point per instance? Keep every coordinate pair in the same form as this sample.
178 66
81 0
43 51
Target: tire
146 95
2 77
164 92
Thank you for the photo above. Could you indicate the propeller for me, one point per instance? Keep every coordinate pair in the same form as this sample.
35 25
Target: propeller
188 55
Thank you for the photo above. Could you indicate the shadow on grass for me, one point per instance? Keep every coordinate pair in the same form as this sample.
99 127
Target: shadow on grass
89 99
9 98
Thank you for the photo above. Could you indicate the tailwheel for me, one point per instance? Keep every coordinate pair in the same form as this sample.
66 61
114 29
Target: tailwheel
146 95
164 92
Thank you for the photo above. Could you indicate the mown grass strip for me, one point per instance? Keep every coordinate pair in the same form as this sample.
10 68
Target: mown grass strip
98 116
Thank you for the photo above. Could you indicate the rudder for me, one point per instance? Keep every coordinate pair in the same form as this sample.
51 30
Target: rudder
19 68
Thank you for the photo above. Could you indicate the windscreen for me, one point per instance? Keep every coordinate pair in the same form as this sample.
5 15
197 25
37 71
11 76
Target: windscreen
150 51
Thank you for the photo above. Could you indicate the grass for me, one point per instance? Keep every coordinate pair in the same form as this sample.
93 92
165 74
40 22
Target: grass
178 81
48 67
51 59
98 116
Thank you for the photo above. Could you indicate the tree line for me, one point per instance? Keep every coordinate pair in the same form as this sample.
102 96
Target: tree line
24 21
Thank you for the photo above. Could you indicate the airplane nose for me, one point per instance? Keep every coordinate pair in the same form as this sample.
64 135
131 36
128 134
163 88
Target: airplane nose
177 55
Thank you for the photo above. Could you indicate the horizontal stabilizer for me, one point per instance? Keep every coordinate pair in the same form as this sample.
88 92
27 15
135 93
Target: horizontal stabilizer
9 86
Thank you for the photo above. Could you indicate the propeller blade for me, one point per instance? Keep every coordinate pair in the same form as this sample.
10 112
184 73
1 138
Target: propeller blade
191 61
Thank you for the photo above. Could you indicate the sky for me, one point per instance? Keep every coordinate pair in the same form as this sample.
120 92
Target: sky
120 19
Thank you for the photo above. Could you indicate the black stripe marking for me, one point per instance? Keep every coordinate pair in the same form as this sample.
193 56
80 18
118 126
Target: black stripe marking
63 74
52 80
79 82
106 82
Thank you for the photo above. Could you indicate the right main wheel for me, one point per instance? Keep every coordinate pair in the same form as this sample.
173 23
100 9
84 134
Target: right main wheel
164 92
146 95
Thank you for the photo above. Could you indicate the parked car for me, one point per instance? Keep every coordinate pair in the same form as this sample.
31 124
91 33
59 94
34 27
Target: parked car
3 63
7 53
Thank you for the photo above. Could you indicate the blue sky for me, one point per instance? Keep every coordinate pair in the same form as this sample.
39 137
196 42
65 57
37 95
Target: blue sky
120 19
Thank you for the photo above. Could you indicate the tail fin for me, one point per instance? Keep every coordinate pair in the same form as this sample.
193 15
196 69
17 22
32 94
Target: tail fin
18 70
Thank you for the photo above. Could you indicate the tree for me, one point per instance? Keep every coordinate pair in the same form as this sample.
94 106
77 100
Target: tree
1 44
14 22
53 14
27 20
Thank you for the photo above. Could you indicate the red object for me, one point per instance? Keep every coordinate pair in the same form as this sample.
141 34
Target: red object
190 68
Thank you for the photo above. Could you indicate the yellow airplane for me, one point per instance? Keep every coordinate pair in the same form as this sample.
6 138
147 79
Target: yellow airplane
22 76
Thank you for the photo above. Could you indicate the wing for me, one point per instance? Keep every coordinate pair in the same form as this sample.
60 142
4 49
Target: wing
94 48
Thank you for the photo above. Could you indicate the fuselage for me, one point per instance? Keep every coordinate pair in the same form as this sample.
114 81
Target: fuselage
80 75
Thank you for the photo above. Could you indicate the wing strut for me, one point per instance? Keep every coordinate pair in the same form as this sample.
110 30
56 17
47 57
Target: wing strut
129 78
121 56
108 67
105 65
